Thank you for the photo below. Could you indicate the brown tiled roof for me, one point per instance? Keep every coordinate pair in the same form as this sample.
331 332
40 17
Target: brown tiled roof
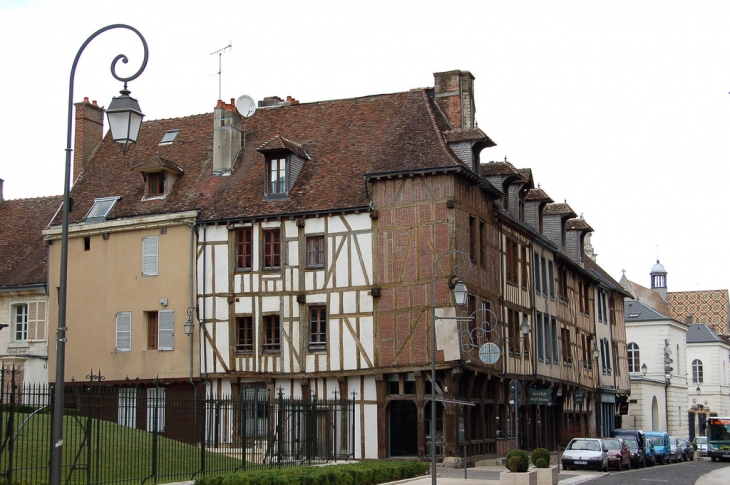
711 307
648 297
156 163
539 195
593 266
279 143
470 135
498 168
346 139
23 256
577 225
558 209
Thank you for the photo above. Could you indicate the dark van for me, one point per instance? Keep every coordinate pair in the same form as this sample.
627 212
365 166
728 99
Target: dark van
638 456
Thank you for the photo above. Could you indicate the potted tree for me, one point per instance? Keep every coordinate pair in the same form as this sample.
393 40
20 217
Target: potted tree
518 464
546 474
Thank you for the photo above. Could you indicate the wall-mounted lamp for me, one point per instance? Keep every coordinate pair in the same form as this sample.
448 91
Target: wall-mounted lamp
698 390
188 327
643 368
525 326
597 352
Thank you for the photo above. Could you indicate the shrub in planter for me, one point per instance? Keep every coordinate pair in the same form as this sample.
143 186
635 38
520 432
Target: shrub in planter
538 453
517 461
541 463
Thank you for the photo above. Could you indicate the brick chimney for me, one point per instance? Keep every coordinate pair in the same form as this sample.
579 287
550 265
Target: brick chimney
87 134
226 137
454 94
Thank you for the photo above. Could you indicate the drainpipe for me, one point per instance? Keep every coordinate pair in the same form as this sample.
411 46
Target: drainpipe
202 322
192 305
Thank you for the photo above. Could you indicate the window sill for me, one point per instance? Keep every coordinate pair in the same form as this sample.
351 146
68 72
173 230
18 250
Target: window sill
321 266
317 350
242 270
272 351
24 344
244 353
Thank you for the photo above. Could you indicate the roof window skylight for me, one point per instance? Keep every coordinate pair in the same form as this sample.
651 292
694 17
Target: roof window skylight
100 209
169 137
633 315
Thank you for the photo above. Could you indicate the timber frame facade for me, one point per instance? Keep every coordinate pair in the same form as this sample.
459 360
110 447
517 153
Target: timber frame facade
314 241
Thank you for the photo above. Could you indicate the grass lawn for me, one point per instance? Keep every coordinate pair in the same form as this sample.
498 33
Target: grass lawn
118 453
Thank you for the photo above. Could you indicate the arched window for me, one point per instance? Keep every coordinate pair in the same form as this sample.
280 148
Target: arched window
633 354
697 371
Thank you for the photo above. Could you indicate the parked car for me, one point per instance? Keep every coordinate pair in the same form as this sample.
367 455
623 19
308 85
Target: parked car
619 455
638 454
662 449
675 450
585 453
650 458
687 449
637 436
701 442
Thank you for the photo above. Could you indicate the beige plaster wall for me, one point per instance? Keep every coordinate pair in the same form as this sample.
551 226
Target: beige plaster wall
108 279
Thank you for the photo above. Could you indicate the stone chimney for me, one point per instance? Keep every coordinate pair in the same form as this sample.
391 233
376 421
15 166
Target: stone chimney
454 95
88 134
226 137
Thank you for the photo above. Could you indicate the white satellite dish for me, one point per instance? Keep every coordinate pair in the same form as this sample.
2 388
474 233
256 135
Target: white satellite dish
246 105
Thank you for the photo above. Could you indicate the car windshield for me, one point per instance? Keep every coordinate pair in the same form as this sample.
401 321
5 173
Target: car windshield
701 440
631 443
591 445
657 440
611 444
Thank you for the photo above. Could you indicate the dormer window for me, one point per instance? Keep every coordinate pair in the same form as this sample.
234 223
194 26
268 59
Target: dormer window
276 167
101 209
159 175
284 161
169 137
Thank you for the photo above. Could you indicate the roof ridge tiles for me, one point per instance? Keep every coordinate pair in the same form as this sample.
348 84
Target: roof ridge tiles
437 130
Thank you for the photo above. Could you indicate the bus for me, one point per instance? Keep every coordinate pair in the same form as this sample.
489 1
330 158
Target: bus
718 438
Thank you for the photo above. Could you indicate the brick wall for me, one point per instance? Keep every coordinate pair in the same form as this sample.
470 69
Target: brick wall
88 132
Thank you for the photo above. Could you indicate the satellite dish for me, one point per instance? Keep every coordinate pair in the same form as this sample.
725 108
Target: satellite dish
246 106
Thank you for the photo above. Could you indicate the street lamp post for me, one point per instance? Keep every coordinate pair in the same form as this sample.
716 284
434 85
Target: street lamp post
125 118
460 295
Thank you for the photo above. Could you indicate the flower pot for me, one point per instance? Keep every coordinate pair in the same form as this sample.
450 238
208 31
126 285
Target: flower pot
547 476
525 478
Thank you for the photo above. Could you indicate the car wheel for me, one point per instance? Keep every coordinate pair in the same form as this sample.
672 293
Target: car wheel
642 464
628 465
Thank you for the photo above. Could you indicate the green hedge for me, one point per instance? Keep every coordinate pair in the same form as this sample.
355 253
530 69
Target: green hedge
364 473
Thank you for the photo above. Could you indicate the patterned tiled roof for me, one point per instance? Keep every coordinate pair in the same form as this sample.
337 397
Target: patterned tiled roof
23 256
711 307
346 139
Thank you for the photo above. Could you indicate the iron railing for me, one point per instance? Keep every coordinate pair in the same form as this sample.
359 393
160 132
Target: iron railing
159 433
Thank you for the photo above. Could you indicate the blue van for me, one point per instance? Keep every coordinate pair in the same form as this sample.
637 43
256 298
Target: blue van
662 449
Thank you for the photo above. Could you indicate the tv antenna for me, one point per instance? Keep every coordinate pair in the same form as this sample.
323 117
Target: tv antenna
220 55
246 106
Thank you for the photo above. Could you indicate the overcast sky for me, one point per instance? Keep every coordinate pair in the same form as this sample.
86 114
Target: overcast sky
619 107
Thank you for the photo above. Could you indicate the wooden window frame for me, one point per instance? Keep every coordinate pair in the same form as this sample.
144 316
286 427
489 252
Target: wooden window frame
551 278
152 330
697 372
317 328
540 337
567 354
244 335
633 355
536 265
156 184
482 242
20 322
315 250
523 266
473 238
277 176
271 249
272 333
244 248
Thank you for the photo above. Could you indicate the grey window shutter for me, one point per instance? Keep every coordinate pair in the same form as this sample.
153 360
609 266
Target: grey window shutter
124 331
166 330
149 256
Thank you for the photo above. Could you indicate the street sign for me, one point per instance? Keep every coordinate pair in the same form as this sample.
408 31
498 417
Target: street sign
515 386
516 399
489 353
578 397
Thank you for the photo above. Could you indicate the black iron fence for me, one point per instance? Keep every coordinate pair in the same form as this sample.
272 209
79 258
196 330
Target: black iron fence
162 433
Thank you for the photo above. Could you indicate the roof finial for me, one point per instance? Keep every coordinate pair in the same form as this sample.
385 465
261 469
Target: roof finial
505 158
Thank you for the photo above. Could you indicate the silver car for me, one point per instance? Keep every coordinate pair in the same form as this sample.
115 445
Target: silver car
701 443
585 453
